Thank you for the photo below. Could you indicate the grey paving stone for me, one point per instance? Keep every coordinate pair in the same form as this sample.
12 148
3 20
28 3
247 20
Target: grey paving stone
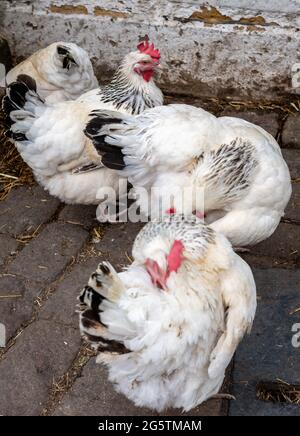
16 302
292 158
61 305
79 215
11 285
42 353
276 284
266 120
49 253
25 209
293 208
93 395
117 241
281 249
268 354
291 132
8 246
114 246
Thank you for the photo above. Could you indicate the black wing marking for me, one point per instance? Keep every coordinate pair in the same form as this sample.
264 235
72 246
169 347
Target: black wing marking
232 167
87 168
112 156
67 58
15 99
28 81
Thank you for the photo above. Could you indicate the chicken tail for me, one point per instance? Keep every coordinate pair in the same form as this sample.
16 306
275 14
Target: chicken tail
98 129
100 320
19 105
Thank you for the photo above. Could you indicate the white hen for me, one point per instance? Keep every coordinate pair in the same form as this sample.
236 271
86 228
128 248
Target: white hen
168 326
51 139
245 179
62 71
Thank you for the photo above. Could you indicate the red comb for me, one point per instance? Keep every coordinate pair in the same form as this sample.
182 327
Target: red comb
174 258
145 47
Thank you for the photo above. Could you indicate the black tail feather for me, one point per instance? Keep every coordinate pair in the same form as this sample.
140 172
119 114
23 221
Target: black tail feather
28 81
114 161
90 320
16 136
15 97
112 156
97 122
7 107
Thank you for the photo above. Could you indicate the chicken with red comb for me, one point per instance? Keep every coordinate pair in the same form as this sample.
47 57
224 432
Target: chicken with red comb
168 325
52 139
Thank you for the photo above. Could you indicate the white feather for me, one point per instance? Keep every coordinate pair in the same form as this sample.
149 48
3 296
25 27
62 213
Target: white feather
55 83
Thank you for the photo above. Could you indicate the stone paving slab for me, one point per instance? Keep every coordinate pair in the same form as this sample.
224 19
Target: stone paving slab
281 249
25 209
61 305
268 354
117 241
39 263
16 302
43 352
267 120
293 208
79 214
291 132
116 250
292 158
8 246
93 395
49 253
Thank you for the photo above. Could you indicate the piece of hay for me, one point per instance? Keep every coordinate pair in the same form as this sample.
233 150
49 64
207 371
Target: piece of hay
278 392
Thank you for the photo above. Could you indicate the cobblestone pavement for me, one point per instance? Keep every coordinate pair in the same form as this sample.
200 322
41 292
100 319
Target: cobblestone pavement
48 251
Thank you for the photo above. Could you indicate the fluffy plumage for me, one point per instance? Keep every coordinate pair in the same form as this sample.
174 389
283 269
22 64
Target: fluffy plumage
62 71
170 347
236 165
51 139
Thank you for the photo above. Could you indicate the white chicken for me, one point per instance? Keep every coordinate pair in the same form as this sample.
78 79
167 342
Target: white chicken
51 139
169 324
62 71
237 166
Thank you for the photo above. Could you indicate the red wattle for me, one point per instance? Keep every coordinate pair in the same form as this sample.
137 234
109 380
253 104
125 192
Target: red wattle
147 75
158 276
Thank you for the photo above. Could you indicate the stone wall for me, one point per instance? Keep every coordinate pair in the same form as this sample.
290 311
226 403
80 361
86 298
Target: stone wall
242 48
